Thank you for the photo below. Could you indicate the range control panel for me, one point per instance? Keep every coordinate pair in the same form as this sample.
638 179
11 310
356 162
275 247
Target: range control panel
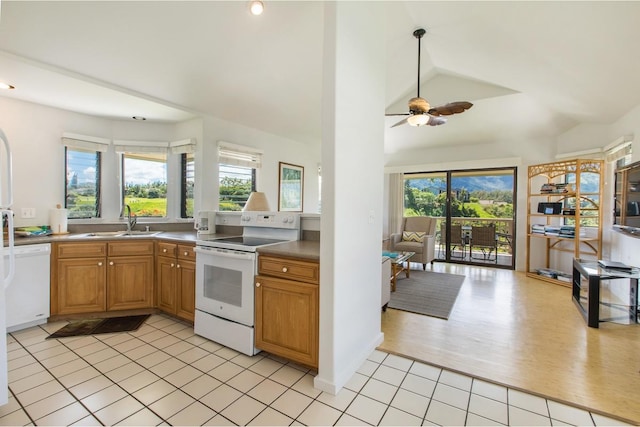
271 219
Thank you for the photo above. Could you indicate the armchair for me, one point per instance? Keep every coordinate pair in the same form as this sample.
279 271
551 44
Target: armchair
419 236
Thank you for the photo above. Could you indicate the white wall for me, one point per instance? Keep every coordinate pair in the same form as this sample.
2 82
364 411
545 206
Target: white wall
352 156
616 245
276 149
34 132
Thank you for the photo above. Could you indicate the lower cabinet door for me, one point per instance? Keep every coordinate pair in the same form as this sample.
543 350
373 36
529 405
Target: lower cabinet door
130 282
186 290
166 283
81 285
287 319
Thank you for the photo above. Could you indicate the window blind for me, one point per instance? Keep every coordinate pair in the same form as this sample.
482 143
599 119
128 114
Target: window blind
127 146
85 142
184 146
239 155
618 151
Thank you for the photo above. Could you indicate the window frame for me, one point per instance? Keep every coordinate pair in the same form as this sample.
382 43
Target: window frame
129 154
185 160
98 182
240 203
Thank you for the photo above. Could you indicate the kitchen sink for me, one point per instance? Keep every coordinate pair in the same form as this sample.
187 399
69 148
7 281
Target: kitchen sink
135 233
104 234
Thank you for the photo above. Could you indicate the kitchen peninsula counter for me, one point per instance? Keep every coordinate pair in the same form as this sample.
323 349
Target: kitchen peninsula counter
304 249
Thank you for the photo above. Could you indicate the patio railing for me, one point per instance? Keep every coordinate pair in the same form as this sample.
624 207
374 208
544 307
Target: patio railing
504 230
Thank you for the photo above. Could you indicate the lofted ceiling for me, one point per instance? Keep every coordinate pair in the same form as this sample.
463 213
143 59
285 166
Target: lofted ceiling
531 69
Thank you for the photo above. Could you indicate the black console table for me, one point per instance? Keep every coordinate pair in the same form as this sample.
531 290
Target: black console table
592 271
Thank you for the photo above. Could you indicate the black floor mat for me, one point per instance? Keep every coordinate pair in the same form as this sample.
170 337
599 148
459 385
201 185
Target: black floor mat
100 326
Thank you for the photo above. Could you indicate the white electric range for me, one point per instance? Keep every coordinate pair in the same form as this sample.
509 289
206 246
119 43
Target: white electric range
225 271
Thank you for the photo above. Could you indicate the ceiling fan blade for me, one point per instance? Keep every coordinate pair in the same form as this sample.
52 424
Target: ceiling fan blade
397 114
401 122
450 108
435 121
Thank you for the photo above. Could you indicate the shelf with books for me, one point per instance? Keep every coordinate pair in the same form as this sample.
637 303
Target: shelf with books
564 217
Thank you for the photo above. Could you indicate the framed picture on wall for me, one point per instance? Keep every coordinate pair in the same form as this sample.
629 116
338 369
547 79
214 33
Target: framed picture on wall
290 190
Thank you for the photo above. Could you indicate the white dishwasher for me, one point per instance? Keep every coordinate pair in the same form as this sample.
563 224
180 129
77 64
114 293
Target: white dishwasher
27 296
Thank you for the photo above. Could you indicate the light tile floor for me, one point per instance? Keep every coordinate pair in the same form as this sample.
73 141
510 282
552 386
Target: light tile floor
164 374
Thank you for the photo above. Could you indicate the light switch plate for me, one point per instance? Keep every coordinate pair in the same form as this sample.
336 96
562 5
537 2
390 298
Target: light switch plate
28 212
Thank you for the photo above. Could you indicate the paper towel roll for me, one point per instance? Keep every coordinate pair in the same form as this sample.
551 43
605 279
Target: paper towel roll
58 221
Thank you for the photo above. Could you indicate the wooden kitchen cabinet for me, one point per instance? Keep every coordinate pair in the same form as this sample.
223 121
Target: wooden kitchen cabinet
105 276
175 279
130 275
81 284
287 308
79 279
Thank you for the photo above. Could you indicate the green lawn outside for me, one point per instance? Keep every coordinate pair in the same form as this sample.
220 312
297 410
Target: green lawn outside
147 207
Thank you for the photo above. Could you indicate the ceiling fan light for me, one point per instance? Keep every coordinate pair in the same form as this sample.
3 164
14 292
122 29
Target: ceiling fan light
418 120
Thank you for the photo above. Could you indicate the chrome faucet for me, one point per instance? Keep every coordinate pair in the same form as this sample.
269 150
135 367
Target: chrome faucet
131 220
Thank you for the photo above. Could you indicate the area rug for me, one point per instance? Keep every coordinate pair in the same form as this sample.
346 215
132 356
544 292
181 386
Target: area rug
427 292
100 326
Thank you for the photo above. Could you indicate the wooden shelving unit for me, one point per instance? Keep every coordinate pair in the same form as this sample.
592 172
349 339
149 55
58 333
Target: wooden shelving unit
569 194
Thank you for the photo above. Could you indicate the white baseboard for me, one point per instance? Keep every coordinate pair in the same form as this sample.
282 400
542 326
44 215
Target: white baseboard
334 385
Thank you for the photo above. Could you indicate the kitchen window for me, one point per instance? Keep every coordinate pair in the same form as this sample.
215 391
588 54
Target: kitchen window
82 183
237 167
155 178
83 166
144 183
236 184
188 179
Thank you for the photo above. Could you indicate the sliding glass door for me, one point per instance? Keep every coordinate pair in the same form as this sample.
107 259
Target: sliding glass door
476 212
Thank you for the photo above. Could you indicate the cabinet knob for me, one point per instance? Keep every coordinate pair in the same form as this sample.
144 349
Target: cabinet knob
164 250
186 253
177 265
111 263
172 264
257 284
100 264
285 269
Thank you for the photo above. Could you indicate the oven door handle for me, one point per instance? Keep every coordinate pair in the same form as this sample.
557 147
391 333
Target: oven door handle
224 253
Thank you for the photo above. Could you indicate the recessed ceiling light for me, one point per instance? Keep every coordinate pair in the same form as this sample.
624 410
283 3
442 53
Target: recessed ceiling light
139 118
4 85
257 7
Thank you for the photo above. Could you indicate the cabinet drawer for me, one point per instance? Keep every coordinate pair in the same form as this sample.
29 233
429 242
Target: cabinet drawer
139 247
186 253
304 271
166 249
81 250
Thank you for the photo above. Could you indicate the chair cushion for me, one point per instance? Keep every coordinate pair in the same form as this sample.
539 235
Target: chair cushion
408 247
413 236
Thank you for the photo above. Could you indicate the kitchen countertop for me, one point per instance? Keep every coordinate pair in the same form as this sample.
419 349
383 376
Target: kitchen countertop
183 236
306 249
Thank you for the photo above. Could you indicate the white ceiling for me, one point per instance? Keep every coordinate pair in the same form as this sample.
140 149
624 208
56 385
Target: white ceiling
532 69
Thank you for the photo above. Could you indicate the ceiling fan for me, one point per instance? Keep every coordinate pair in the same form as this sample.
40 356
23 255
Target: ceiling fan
420 112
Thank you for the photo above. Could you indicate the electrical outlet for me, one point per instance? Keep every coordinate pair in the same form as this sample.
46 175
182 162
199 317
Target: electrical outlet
28 212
